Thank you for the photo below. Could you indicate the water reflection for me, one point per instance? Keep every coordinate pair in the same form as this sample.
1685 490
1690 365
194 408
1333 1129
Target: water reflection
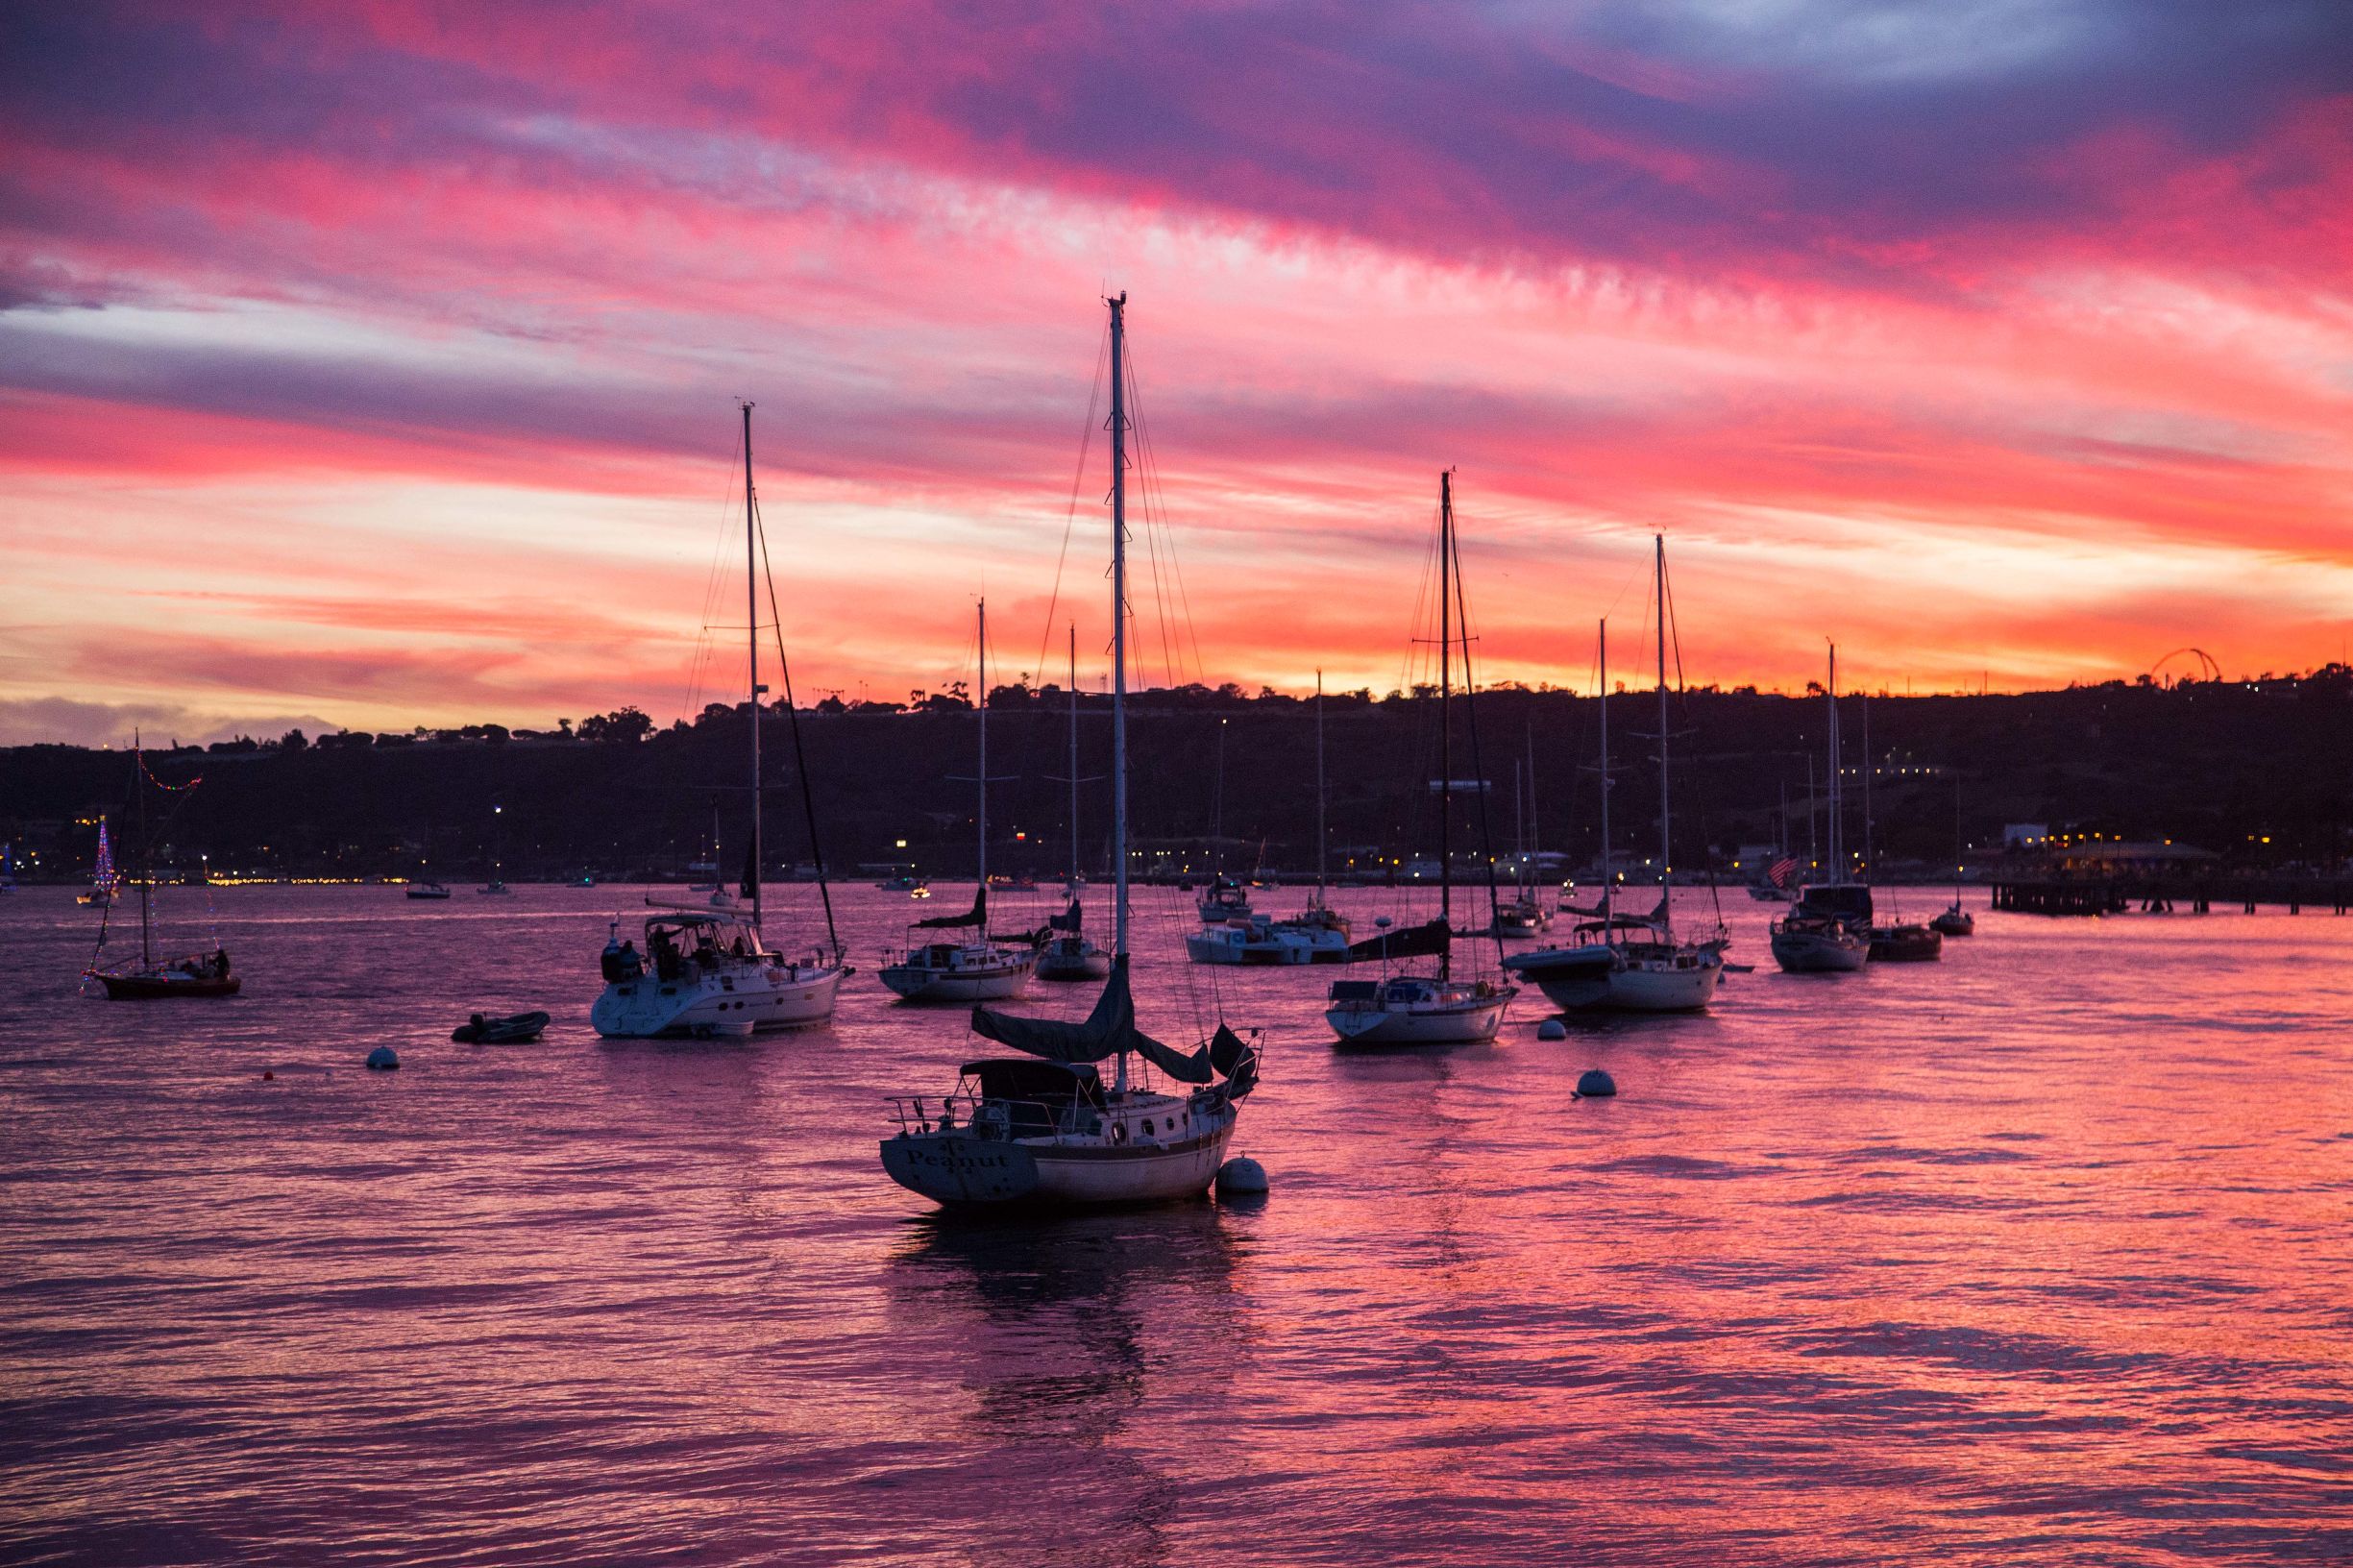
1061 1334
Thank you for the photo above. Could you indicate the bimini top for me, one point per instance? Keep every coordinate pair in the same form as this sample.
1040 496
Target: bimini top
1022 1078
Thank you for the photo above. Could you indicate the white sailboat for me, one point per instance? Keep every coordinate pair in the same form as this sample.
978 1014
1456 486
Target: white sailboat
1828 931
1045 1128
1323 930
152 979
1527 914
1426 1010
707 970
1656 971
980 969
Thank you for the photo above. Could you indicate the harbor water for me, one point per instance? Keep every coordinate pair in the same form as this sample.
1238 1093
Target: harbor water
2040 1254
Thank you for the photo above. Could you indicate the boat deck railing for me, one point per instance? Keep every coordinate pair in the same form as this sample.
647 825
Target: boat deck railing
987 1118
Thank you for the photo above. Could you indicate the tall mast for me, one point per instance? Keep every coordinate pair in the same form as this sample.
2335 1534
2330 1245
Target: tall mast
1322 839
1813 844
751 619
1838 861
147 852
983 705
1073 878
1536 846
1446 754
1869 767
1666 838
1608 927
1119 643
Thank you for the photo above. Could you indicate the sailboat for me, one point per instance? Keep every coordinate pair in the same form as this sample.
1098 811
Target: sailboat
104 878
1068 954
1630 963
1526 914
1225 898
496 885
707 970
197 974
1045 1128
1323 930
1828 931
982 969
1426 1010
1956 921
1656 973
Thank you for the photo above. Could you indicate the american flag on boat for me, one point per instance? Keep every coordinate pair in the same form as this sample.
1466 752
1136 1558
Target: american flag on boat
1781 870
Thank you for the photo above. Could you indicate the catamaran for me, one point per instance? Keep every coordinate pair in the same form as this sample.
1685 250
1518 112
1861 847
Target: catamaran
1045 1128
1431 1009
706 970
983 969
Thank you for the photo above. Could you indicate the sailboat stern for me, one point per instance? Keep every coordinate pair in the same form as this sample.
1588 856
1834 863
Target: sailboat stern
958 1168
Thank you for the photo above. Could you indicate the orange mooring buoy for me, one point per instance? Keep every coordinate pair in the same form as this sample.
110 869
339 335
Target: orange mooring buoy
267 1075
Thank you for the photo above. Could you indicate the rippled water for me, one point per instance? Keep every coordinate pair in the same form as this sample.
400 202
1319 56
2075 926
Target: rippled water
2040 1254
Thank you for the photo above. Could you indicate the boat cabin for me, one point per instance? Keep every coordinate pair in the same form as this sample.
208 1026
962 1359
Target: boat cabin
1847 901
1028 1097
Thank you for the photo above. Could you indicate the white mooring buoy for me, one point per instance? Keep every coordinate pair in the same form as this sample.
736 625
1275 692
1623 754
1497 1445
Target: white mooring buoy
384 1058
1596 1085
1552 1029
1240 1178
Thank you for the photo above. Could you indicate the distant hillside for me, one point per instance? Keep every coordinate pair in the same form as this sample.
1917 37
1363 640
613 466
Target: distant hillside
2225 765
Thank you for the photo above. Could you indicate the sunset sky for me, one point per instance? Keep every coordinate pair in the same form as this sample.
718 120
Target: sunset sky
375 363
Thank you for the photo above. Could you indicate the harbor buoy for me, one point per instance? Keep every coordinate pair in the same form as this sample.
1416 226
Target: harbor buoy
1240 1178
1552 1029
1596 1085
267 1076
384 1058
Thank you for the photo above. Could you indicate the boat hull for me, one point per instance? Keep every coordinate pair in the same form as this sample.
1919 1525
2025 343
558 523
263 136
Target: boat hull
733 1005
156 988
1809 952
1459 1023
917 983
1058 967
961 1170
1635 988
1574 980
1907 944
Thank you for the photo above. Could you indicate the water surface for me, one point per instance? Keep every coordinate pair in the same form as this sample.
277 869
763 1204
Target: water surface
2037 1254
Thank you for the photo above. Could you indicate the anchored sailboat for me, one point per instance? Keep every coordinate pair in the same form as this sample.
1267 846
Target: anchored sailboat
1044 1128
1828 930
1427 1009
983 969
196 974
104 878
1068 954
707 968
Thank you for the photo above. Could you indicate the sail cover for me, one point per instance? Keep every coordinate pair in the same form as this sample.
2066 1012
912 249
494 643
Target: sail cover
1416 941
1068 921
978 917
1108 1030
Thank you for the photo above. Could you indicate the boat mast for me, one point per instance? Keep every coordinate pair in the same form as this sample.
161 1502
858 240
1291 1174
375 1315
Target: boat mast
1118 645
1666 838
1446 755
1608 904
1536 846
1323 848
1838 861
982 703
147 852
1073 878
1813 816
751 618
1869 767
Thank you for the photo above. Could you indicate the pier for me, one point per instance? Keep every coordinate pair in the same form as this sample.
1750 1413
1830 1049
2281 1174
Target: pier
2171 895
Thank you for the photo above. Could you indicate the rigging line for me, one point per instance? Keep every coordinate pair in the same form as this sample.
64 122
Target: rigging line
698 659
792 712
1078 477
1470 711
1156 498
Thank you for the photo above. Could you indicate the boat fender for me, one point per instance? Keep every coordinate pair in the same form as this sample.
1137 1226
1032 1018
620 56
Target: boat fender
1552 1029
1118 1132
1596 1085
384 1058
1240 1177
